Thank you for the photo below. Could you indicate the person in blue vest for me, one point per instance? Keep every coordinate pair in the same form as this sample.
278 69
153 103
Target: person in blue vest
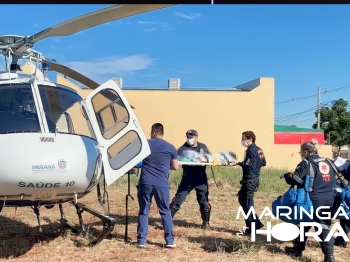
344 168
193 177
322 194
253 161
154 182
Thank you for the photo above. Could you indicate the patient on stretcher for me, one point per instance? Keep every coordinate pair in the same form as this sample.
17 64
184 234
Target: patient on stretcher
224 158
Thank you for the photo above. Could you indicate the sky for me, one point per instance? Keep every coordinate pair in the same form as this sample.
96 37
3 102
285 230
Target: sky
302 47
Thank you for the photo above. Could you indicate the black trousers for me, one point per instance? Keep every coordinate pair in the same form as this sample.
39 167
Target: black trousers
246 200
189 182
317 201
345 224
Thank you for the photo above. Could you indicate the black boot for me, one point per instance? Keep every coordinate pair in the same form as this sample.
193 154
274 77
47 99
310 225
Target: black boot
206 218
294 250
329 258
327 250
258 226
297 248
339 241
173 212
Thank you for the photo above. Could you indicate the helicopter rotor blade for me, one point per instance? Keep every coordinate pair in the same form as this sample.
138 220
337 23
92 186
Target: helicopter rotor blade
72 74
93 19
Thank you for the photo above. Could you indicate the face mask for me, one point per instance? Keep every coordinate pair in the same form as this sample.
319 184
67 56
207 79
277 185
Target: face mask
190 141
244 143
302 157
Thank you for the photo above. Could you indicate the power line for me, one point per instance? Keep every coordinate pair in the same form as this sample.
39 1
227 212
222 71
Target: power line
337 89
300 121
287 117
303 120
299 114
294 99
295 117
317 107
314 95
302 114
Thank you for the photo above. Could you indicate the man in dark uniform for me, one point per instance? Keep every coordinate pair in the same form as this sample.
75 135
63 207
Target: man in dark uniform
253 161
322 194
193 177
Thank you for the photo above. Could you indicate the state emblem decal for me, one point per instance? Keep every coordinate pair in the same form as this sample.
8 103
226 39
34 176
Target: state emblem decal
62 163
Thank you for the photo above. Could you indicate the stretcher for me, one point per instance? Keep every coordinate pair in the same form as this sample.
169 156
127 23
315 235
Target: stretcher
195 163
222 159
191 163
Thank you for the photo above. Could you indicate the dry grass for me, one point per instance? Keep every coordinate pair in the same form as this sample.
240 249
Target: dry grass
21 241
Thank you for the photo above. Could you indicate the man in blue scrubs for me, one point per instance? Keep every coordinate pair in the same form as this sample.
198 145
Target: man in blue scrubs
154 181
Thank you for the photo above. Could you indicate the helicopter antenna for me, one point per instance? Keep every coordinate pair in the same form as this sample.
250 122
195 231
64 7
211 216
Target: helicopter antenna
32 62
8 66
36 68
35 59
42 69
5 62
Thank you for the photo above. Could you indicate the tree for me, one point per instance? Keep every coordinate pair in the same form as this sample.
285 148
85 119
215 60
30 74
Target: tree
335 121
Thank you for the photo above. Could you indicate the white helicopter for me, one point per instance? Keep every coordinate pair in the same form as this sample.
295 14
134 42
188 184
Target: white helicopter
58 144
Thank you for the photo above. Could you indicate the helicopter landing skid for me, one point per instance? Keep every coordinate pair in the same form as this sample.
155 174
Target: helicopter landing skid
108 223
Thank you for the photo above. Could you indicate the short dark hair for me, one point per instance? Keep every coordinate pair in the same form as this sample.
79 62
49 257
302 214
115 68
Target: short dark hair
158 128
249 135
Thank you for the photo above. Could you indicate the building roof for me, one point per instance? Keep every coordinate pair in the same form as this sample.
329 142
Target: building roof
280 128
246 87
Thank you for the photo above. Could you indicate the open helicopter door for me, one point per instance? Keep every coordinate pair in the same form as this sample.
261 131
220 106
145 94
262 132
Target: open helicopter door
123 143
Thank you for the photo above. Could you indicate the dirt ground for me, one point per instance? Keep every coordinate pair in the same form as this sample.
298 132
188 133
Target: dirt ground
21 241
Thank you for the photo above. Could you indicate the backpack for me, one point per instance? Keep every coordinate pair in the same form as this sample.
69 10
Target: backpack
298 200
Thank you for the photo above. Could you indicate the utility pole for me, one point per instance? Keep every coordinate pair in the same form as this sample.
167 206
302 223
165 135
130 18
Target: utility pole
318 108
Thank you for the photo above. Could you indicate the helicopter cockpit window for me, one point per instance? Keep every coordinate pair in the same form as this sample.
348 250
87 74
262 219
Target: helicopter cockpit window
63 110
17 109
111 113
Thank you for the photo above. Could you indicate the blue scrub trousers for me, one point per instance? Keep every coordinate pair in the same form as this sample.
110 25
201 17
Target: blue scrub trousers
162 197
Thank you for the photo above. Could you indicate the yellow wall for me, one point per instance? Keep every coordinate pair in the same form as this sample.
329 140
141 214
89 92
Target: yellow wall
287 156
220 117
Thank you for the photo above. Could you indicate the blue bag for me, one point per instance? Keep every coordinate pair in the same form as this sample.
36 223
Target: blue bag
298 200
342 199
139 165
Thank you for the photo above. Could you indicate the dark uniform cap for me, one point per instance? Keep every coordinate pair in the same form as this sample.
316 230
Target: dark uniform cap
191 132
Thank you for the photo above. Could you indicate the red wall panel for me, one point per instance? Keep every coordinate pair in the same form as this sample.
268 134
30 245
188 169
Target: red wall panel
297 138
